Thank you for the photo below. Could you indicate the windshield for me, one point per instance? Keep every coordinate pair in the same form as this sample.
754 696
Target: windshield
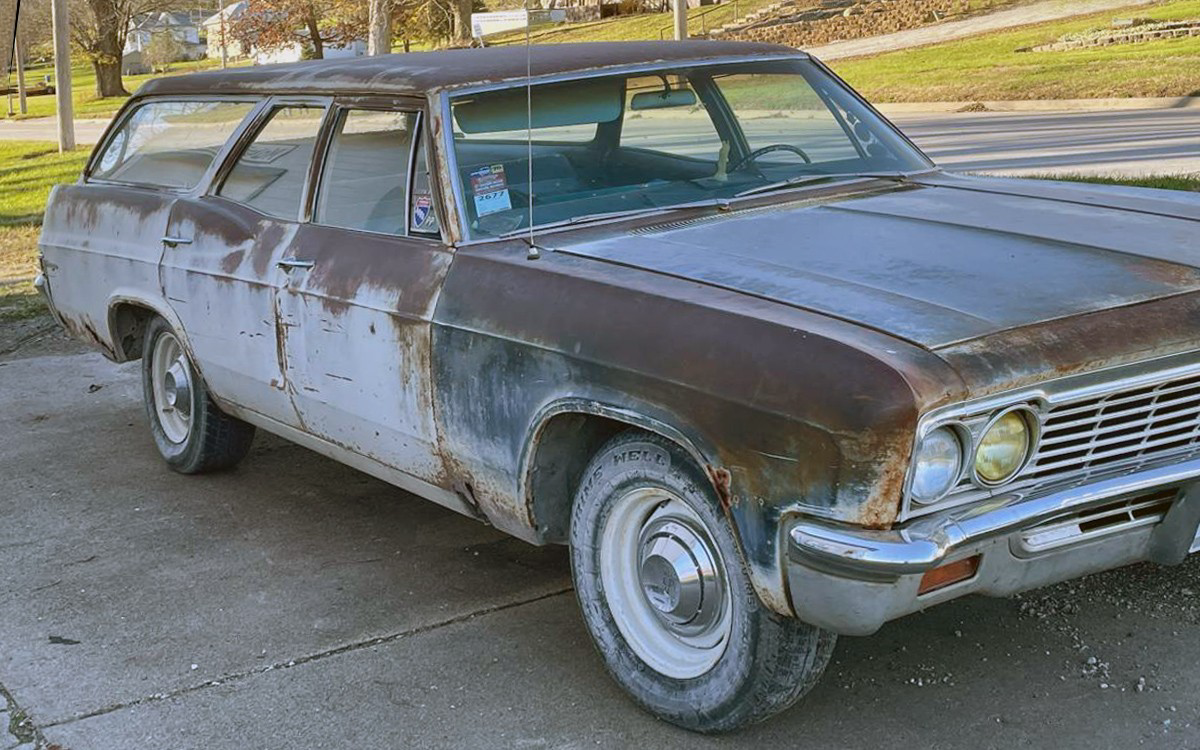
595 147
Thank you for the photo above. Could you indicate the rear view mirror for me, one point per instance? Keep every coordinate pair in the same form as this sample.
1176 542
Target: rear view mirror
662 99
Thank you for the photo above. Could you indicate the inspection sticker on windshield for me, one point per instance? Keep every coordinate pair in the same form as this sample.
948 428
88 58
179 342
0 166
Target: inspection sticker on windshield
490 190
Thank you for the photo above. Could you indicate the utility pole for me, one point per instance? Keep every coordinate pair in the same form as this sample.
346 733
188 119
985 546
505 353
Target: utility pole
61 27
221 21
20 55
379 34
680 19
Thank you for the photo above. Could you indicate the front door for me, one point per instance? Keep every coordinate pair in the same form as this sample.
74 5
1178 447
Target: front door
360 283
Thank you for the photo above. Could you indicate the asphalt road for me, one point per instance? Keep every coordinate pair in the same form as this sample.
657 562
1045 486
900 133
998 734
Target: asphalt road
294 603
1129 142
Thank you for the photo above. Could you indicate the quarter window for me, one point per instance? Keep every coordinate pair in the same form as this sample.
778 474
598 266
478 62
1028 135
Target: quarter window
271 172
365 181
423 217
169 143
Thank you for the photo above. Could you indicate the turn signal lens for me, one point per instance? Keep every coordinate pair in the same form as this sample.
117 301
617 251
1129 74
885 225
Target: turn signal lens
945 575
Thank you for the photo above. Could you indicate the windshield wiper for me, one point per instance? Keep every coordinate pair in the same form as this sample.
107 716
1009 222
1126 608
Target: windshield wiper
808 179
629 213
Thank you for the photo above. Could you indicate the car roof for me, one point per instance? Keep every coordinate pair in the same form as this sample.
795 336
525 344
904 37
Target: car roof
420 72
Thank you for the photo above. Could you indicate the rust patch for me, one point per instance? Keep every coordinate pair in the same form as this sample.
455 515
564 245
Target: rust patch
883 503
264 246
231 261
721 480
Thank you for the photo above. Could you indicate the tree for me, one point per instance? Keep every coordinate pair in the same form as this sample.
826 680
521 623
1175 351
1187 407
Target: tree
162 50
380 20
98 28
314 24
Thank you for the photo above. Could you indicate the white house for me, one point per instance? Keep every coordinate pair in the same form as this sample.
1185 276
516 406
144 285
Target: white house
144 28
223 20
294 52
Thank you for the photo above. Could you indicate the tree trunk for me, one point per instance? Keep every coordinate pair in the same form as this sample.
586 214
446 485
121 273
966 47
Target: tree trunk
462 19
106 50
108 78
379 40
314 36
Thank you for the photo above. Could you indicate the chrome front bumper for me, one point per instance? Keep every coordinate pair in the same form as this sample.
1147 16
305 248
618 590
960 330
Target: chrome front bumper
853 580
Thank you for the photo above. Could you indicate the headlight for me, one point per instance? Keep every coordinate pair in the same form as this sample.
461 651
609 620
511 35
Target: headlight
937 465
1004 447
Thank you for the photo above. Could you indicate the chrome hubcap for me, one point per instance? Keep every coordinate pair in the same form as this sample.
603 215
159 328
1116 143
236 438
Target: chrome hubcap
172 385
177 391
678 576
664 583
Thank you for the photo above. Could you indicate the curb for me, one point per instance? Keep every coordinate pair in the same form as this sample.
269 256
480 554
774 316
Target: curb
1043 105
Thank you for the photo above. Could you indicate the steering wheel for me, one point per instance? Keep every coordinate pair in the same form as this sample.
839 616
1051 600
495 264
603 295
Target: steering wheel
753 155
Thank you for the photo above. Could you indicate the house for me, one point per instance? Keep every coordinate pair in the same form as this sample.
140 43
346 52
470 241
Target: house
224 21
144 28
294 52
218 25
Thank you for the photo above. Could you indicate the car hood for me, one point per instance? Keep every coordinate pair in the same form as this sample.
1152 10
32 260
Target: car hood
939 260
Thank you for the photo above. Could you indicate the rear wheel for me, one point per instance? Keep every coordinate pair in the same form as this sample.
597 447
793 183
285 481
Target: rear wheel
667 599
191 433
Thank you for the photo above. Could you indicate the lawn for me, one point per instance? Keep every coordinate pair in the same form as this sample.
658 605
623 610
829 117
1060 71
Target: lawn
989 67
27 171
83 89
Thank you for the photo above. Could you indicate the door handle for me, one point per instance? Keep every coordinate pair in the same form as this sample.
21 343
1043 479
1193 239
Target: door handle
173 241
288 264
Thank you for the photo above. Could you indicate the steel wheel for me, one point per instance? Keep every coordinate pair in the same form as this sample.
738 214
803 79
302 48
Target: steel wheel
174 396
665 583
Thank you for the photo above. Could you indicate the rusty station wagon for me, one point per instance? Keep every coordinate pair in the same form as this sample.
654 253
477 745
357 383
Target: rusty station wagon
695 309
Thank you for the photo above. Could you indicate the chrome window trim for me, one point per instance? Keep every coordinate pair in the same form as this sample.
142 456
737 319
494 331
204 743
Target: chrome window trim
1040 398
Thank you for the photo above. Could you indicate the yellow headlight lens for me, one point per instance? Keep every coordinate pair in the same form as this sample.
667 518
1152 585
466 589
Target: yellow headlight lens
1003 448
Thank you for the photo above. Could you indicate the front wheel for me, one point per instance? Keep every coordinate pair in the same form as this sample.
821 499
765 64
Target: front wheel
191 433
667 600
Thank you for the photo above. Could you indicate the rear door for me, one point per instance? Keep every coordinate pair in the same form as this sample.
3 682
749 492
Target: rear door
220 266
360 285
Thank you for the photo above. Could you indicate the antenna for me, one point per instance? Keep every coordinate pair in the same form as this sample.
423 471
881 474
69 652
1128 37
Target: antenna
534 253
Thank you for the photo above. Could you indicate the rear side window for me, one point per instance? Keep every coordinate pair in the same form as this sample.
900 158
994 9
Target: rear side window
169 143
269 176
365 181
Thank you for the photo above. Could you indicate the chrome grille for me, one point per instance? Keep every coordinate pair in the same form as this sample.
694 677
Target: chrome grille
1131 426
1111 518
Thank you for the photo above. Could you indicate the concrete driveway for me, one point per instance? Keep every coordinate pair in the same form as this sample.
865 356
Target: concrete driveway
294 603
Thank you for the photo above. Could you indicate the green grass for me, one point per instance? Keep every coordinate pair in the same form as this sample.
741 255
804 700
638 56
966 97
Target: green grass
28 169
83 89
989 67
1189 184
